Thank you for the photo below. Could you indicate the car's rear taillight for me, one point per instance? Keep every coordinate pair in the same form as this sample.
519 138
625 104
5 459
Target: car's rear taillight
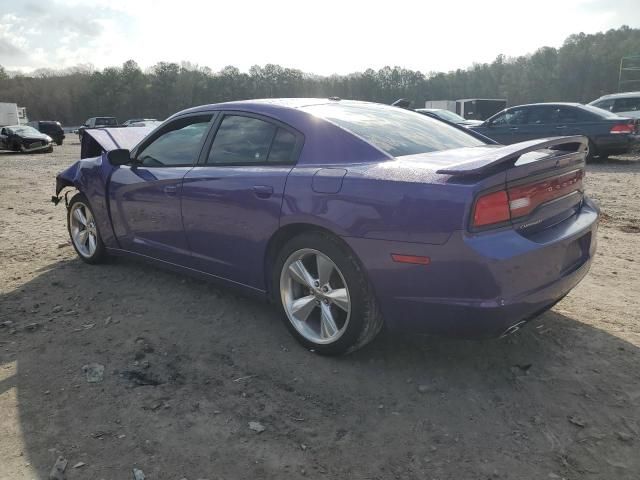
515 202
623 128
491 208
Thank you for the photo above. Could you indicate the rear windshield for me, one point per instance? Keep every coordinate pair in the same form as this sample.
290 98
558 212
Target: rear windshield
393 130
599 112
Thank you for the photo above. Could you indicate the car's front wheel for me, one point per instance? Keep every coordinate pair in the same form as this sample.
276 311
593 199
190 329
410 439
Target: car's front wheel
83 230
328 303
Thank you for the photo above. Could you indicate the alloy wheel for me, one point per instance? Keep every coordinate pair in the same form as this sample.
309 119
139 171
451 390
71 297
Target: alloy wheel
84 232
315 296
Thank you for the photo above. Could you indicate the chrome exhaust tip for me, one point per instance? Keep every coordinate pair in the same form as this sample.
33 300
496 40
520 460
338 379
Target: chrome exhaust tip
513 328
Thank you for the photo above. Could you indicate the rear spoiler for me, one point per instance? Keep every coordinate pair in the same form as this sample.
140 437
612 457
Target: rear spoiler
486 161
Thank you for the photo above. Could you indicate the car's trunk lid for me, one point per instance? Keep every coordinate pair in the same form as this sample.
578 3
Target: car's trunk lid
539 182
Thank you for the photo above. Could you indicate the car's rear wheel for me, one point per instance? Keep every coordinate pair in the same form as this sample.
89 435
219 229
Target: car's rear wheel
592 152
83 230
328 303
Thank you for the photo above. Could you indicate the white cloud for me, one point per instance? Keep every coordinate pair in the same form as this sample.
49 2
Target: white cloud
333 36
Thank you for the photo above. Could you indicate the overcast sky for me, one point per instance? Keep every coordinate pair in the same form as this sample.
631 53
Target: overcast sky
323 37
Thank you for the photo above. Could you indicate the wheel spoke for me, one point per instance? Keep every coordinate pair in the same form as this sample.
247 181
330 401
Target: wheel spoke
80 216
325 268
92 244
300 274
328 327
339 298
82 236
302 307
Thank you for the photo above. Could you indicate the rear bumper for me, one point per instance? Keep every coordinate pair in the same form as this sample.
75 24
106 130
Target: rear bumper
479 285
616 144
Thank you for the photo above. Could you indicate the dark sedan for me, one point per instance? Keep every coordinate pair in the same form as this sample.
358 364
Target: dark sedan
608 133
22 138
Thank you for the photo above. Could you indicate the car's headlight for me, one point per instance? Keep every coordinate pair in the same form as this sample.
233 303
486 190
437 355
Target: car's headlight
49 139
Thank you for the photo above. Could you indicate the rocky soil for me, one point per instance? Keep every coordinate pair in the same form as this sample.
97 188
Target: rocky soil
127 371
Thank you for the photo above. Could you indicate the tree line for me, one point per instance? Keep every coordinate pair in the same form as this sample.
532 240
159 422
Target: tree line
583 68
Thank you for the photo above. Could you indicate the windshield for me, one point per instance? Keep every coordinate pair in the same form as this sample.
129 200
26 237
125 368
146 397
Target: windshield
393 130
26 130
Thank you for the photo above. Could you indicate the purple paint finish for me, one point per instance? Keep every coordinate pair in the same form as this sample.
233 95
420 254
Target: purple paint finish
220 221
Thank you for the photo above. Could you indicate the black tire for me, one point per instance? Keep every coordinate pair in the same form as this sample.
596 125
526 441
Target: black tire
49 150
59 142
592 153
100 254
365 320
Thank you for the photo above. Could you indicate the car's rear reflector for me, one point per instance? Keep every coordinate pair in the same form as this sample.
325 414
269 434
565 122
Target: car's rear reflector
515 202
623 128
414 259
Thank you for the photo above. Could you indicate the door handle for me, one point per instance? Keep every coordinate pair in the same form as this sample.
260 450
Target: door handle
561 127
170 190
263 191
513 128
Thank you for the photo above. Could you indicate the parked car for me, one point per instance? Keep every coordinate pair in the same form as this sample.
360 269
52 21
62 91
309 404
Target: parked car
624 104
23 138
448 116
607 133
145 123
51 128
346 214
138 120
97 122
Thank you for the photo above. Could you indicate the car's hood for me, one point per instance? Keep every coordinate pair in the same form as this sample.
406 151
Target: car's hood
34 136
118 137
95 141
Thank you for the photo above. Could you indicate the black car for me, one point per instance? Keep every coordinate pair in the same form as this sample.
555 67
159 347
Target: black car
608 133
97 122
23 138
51 128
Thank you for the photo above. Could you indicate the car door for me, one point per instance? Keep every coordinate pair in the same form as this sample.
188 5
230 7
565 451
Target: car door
540 122
145 196
231 201
571 120
505 127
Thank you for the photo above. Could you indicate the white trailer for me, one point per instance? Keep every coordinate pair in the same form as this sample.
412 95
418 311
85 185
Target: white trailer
9 114
441 104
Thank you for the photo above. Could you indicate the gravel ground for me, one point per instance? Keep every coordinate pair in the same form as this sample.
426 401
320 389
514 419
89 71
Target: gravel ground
188 366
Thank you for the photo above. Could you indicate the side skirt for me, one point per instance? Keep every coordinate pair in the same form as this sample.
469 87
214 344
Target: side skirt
192 272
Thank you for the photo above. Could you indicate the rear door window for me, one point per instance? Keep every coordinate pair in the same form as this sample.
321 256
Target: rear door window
242 140
630 104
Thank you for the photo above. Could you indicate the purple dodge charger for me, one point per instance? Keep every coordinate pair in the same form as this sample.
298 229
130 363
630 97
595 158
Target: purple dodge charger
348 215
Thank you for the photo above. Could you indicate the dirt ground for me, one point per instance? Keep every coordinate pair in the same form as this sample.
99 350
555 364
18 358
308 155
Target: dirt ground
188 365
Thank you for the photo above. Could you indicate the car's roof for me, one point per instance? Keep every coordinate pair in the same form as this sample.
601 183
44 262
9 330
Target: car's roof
272 103
549 104
431 110
619 95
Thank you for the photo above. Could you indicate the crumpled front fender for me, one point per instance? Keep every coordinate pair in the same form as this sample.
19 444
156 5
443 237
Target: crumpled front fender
76 173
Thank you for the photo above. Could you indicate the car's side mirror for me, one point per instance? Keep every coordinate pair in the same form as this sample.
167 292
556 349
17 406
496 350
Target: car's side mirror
120 156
